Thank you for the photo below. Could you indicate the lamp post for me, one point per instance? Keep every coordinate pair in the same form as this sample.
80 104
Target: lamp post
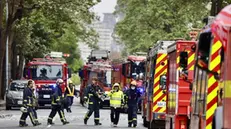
7 45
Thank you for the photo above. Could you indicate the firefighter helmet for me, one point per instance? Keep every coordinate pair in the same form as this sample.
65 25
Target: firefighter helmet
133 83
116 84
23 109
59 81
70 82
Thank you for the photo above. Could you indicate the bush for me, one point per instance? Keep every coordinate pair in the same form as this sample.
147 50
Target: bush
75 79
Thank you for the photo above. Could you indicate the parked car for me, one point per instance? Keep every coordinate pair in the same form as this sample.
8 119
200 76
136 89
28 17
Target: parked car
14 94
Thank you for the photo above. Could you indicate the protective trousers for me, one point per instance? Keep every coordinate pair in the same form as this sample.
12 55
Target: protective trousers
93 108
132 115
29 113
115 115
35 114
54 110
70 101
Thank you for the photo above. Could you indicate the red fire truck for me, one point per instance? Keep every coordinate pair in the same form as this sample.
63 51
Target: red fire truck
211 100
45 72
98 66
181 62
154 102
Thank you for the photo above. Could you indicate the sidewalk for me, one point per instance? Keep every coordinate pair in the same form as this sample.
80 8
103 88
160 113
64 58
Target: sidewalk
2 104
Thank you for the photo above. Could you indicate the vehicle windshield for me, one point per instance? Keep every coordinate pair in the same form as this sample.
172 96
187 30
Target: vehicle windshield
46 72
104 77
137 68
17 86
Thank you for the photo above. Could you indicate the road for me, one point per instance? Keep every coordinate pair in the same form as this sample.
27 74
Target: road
10 119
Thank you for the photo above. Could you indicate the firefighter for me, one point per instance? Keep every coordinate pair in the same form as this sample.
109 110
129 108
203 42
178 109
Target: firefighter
69 93
27 109
34 105
57 104
131 99
93 95
116 102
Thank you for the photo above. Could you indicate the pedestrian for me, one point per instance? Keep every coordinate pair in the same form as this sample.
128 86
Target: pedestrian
27 108
35 104
93 96
131 99
57 104
69 95
116 101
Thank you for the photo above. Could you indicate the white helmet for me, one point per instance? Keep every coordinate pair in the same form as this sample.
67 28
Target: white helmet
23 109
59 81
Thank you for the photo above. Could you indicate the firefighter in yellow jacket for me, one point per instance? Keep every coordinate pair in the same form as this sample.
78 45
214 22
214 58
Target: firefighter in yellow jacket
116 101
69 93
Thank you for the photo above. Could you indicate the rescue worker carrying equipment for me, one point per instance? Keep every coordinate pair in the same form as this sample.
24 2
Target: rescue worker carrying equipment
69 95
27 109
92 95
131 100
57 104
116 101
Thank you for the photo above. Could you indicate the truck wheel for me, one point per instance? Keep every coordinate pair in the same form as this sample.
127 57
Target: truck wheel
145 123
8 107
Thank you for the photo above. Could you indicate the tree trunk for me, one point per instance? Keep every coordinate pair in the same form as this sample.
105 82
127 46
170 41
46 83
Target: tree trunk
20 66
14 62
2 48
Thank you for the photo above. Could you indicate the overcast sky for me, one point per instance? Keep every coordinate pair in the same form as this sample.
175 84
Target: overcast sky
106 6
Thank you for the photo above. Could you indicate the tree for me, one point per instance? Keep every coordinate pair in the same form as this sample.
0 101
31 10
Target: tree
147 21
36 27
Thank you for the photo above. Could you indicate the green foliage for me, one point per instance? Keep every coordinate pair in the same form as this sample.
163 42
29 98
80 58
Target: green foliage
75 79
54 25
146 21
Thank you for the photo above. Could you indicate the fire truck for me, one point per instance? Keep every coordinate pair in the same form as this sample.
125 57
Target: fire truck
45 72
98 66
154 102
181 60
211 98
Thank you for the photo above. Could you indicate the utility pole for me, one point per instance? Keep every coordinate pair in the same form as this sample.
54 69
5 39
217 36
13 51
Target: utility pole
216 7
7 45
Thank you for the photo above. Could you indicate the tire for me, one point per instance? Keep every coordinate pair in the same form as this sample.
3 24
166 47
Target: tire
145 123
8 107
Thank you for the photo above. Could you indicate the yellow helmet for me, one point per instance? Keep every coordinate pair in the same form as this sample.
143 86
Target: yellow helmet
116 84
70 82
133 83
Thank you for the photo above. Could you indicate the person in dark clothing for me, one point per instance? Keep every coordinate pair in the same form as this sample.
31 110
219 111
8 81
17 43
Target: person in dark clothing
57 105
69 94
27 108
93 94
131 100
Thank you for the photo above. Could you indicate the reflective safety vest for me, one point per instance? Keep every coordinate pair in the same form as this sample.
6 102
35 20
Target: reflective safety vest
116 98
70 93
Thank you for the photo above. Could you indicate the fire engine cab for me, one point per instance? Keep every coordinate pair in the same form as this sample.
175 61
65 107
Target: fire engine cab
98 66
45 72
211 100
154 102
181 62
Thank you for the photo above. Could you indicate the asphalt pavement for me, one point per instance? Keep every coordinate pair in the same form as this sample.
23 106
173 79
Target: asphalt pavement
10 119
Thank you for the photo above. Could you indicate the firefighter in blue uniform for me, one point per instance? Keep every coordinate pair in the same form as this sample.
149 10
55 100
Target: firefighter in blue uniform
27 108
93 94
69 94
131 100
57 104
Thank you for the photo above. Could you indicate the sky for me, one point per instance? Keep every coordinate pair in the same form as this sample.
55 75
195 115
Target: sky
105 6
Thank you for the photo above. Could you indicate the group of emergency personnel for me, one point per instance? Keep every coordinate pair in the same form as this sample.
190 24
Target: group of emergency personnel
118 100
93 95
59 103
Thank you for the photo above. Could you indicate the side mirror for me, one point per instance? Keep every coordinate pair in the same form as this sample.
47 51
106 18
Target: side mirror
124 69
163 80
25 72
69 73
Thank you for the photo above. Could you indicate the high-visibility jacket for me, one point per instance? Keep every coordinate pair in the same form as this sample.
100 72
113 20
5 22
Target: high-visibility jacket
70 91
116 98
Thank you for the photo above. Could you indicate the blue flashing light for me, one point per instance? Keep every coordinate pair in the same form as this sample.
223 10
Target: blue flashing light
141 90
54 86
